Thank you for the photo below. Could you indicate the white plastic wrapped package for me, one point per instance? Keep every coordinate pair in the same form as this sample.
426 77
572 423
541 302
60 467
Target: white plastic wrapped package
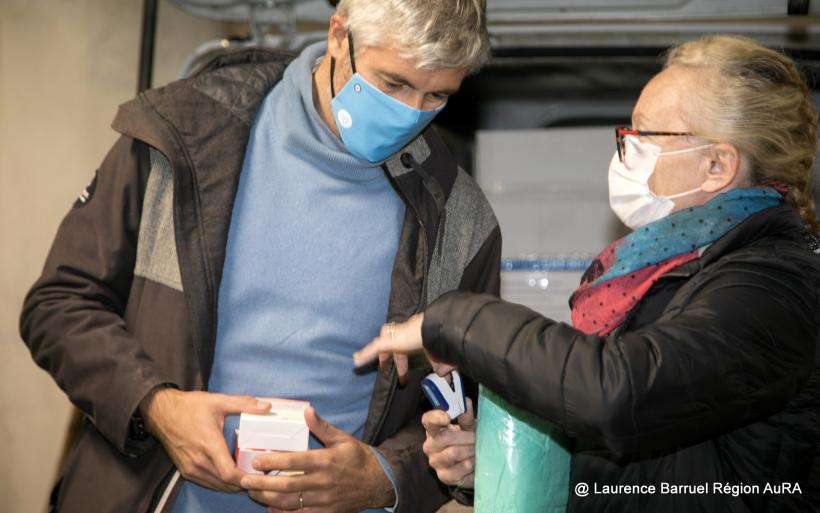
522 461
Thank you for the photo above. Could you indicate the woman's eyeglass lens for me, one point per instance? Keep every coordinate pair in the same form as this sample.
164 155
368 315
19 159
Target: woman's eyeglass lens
622 131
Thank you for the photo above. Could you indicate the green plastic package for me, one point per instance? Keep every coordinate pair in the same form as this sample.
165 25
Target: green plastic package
522 461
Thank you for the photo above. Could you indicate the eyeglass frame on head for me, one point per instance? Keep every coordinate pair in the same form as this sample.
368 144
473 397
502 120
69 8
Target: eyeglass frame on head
623 131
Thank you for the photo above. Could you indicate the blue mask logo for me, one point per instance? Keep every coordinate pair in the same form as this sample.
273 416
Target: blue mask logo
374 125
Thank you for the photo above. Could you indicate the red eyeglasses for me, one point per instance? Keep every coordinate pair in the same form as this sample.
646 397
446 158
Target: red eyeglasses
623 131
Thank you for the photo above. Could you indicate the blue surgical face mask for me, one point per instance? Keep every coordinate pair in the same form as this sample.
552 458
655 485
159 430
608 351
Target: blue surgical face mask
374 125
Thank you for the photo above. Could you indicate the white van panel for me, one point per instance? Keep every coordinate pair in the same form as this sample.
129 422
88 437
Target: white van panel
548 188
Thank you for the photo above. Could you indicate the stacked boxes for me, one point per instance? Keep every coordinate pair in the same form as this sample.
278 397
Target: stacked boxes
283 428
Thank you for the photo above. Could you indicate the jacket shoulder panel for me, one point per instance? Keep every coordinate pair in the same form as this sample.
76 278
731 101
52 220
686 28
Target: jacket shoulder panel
236 81
240 88
156 244
239 79
468 222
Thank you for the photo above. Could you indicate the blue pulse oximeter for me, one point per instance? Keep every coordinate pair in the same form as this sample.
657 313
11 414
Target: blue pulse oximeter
443 396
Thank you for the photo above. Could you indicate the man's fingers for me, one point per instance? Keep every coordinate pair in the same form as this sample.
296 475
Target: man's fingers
295 461
342 477
312 501
197 464
306 461
224 466
207 481
233 404
467 419
201 476
326 432
286 484
277 501
202 471
212 464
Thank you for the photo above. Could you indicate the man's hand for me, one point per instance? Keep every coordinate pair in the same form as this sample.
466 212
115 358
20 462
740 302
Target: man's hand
189 426
450 449
343 477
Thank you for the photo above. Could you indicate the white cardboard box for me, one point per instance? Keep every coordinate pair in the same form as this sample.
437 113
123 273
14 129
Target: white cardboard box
283 428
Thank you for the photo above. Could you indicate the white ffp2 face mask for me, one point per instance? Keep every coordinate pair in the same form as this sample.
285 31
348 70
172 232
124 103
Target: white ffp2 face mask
629 194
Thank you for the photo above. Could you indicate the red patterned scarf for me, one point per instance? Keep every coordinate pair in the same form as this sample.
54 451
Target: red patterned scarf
625 271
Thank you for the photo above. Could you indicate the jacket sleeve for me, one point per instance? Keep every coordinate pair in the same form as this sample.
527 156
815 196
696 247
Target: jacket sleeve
735 352
72 318
418 488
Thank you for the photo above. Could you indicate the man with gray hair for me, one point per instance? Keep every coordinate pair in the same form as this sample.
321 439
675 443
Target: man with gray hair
254 226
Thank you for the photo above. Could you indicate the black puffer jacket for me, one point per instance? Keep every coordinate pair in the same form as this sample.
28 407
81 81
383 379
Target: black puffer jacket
713 380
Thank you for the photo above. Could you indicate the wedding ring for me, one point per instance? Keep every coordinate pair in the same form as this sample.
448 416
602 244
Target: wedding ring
391 329
301 501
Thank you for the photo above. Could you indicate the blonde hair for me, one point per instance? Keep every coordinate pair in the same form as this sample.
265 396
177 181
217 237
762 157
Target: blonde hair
434 33
755 99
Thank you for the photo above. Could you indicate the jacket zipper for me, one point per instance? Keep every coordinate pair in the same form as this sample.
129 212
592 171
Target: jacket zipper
419 307
198 203
166 493
425 242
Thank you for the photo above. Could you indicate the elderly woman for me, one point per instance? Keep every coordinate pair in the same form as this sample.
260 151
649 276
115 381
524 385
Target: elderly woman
692 355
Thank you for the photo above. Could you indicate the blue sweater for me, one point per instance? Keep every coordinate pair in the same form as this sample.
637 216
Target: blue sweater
306 282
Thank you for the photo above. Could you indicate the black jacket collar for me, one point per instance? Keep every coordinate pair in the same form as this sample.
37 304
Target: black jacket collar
781 221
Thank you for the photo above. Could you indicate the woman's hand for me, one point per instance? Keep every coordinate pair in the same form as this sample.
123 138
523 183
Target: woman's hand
397 340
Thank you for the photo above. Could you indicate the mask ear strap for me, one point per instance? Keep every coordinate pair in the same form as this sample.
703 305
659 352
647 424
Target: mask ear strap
682 194
350 47
686 150
333 63
332 69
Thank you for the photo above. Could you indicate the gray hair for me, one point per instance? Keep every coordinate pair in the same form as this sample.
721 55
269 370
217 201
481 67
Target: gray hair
434 33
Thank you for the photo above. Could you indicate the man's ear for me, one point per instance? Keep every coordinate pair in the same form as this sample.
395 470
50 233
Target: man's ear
336 36
723 167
